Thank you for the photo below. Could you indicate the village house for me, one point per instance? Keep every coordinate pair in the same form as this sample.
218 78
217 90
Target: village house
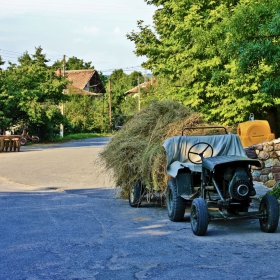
84 82
146 86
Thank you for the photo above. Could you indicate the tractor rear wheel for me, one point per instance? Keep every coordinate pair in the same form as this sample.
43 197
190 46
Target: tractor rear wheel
270 209
175 204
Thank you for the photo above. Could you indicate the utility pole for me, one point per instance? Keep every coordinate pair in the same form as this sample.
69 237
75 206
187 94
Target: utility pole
110 102
62 105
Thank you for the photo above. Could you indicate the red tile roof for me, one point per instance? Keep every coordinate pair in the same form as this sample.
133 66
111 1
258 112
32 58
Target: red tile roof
82 81
79 78
144 86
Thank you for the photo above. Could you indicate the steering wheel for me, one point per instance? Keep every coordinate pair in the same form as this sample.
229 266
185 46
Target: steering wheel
207 147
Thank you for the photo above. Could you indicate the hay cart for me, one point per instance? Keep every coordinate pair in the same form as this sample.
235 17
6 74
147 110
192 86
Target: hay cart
9 143
211 175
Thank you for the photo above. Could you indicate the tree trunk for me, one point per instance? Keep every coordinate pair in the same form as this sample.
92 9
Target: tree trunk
272 119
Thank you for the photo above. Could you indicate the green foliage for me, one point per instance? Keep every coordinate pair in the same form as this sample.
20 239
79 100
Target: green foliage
85 114
1 62
73 63
30 94
275 191
220 57
120 83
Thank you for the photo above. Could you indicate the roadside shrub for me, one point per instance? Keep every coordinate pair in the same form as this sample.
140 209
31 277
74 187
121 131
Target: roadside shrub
275 191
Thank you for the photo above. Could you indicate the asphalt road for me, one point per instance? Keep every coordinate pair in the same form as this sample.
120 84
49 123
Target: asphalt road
70 165
60 219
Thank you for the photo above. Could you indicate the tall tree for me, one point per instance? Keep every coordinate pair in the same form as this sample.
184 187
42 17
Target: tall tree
30 94
73 63
1 62
122 82
254 43
221 57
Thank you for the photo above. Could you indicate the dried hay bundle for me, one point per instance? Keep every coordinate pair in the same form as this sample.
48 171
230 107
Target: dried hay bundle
136 152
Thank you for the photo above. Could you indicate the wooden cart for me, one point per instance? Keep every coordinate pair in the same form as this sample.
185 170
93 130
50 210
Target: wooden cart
9 143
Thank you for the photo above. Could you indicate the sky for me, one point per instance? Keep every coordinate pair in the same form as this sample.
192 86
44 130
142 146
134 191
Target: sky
92 30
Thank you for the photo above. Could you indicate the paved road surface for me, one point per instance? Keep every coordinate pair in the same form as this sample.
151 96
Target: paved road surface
70 165
62 221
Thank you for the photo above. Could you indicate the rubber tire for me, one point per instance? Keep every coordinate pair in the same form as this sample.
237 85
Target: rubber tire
199 217
134 195
22 141
269 206
175 204
35 139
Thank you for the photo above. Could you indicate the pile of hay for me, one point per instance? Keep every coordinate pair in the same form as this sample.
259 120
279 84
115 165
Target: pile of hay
136 151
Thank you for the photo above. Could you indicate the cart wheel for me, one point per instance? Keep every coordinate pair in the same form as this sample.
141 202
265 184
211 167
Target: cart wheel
270 209
199 216
22 141
175 204
35 139
134 195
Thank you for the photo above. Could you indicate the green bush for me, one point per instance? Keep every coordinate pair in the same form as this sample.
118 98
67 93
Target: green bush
276 191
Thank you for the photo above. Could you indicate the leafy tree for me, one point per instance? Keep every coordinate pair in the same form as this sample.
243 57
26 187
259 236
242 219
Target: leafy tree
31 93
73 63
103 78
184 47
221 57
1 62
254 43
38 58
120 83
118 87
133 78
85 113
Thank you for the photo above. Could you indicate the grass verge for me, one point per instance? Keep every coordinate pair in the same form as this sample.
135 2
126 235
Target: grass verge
77 136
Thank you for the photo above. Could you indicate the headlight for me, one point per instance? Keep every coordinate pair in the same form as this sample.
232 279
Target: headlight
239 186
239 190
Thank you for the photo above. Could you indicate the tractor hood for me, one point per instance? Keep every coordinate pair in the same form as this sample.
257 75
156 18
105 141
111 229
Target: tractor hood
212 162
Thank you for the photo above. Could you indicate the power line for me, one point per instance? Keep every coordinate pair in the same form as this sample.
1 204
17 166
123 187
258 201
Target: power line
1 50
14 55
88 8
70 17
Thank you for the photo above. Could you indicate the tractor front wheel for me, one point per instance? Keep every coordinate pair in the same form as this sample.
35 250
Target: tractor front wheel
270 210
199 216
